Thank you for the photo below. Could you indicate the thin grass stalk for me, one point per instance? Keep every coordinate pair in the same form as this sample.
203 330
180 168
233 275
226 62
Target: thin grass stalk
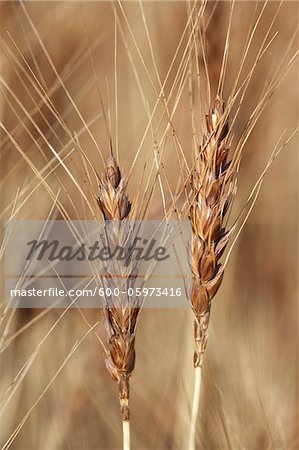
126 435
195 407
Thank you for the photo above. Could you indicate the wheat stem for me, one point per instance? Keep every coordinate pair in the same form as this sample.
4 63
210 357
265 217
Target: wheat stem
195 407
126 435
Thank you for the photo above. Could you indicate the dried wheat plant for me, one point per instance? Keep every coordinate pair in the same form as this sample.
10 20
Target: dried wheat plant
213 188
121 315
213 184
179 110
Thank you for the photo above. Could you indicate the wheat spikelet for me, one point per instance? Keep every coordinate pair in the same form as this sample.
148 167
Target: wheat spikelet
113 200
120 317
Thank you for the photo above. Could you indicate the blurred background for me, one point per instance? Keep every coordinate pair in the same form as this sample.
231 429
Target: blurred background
78 77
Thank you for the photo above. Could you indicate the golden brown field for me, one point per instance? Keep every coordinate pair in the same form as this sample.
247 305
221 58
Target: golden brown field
80 77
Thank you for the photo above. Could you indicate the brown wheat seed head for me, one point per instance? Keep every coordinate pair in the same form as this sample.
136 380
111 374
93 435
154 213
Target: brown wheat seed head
213 189
120 318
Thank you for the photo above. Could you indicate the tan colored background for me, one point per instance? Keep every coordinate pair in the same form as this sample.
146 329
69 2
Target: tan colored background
249 394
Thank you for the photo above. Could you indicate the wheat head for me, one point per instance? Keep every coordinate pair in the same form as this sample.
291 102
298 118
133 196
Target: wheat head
212 192
120 317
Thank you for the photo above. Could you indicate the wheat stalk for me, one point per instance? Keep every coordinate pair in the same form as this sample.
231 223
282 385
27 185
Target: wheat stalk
121 317
212 191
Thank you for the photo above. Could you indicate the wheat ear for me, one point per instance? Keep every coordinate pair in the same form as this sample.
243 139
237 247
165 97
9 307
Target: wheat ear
212 190
120 317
